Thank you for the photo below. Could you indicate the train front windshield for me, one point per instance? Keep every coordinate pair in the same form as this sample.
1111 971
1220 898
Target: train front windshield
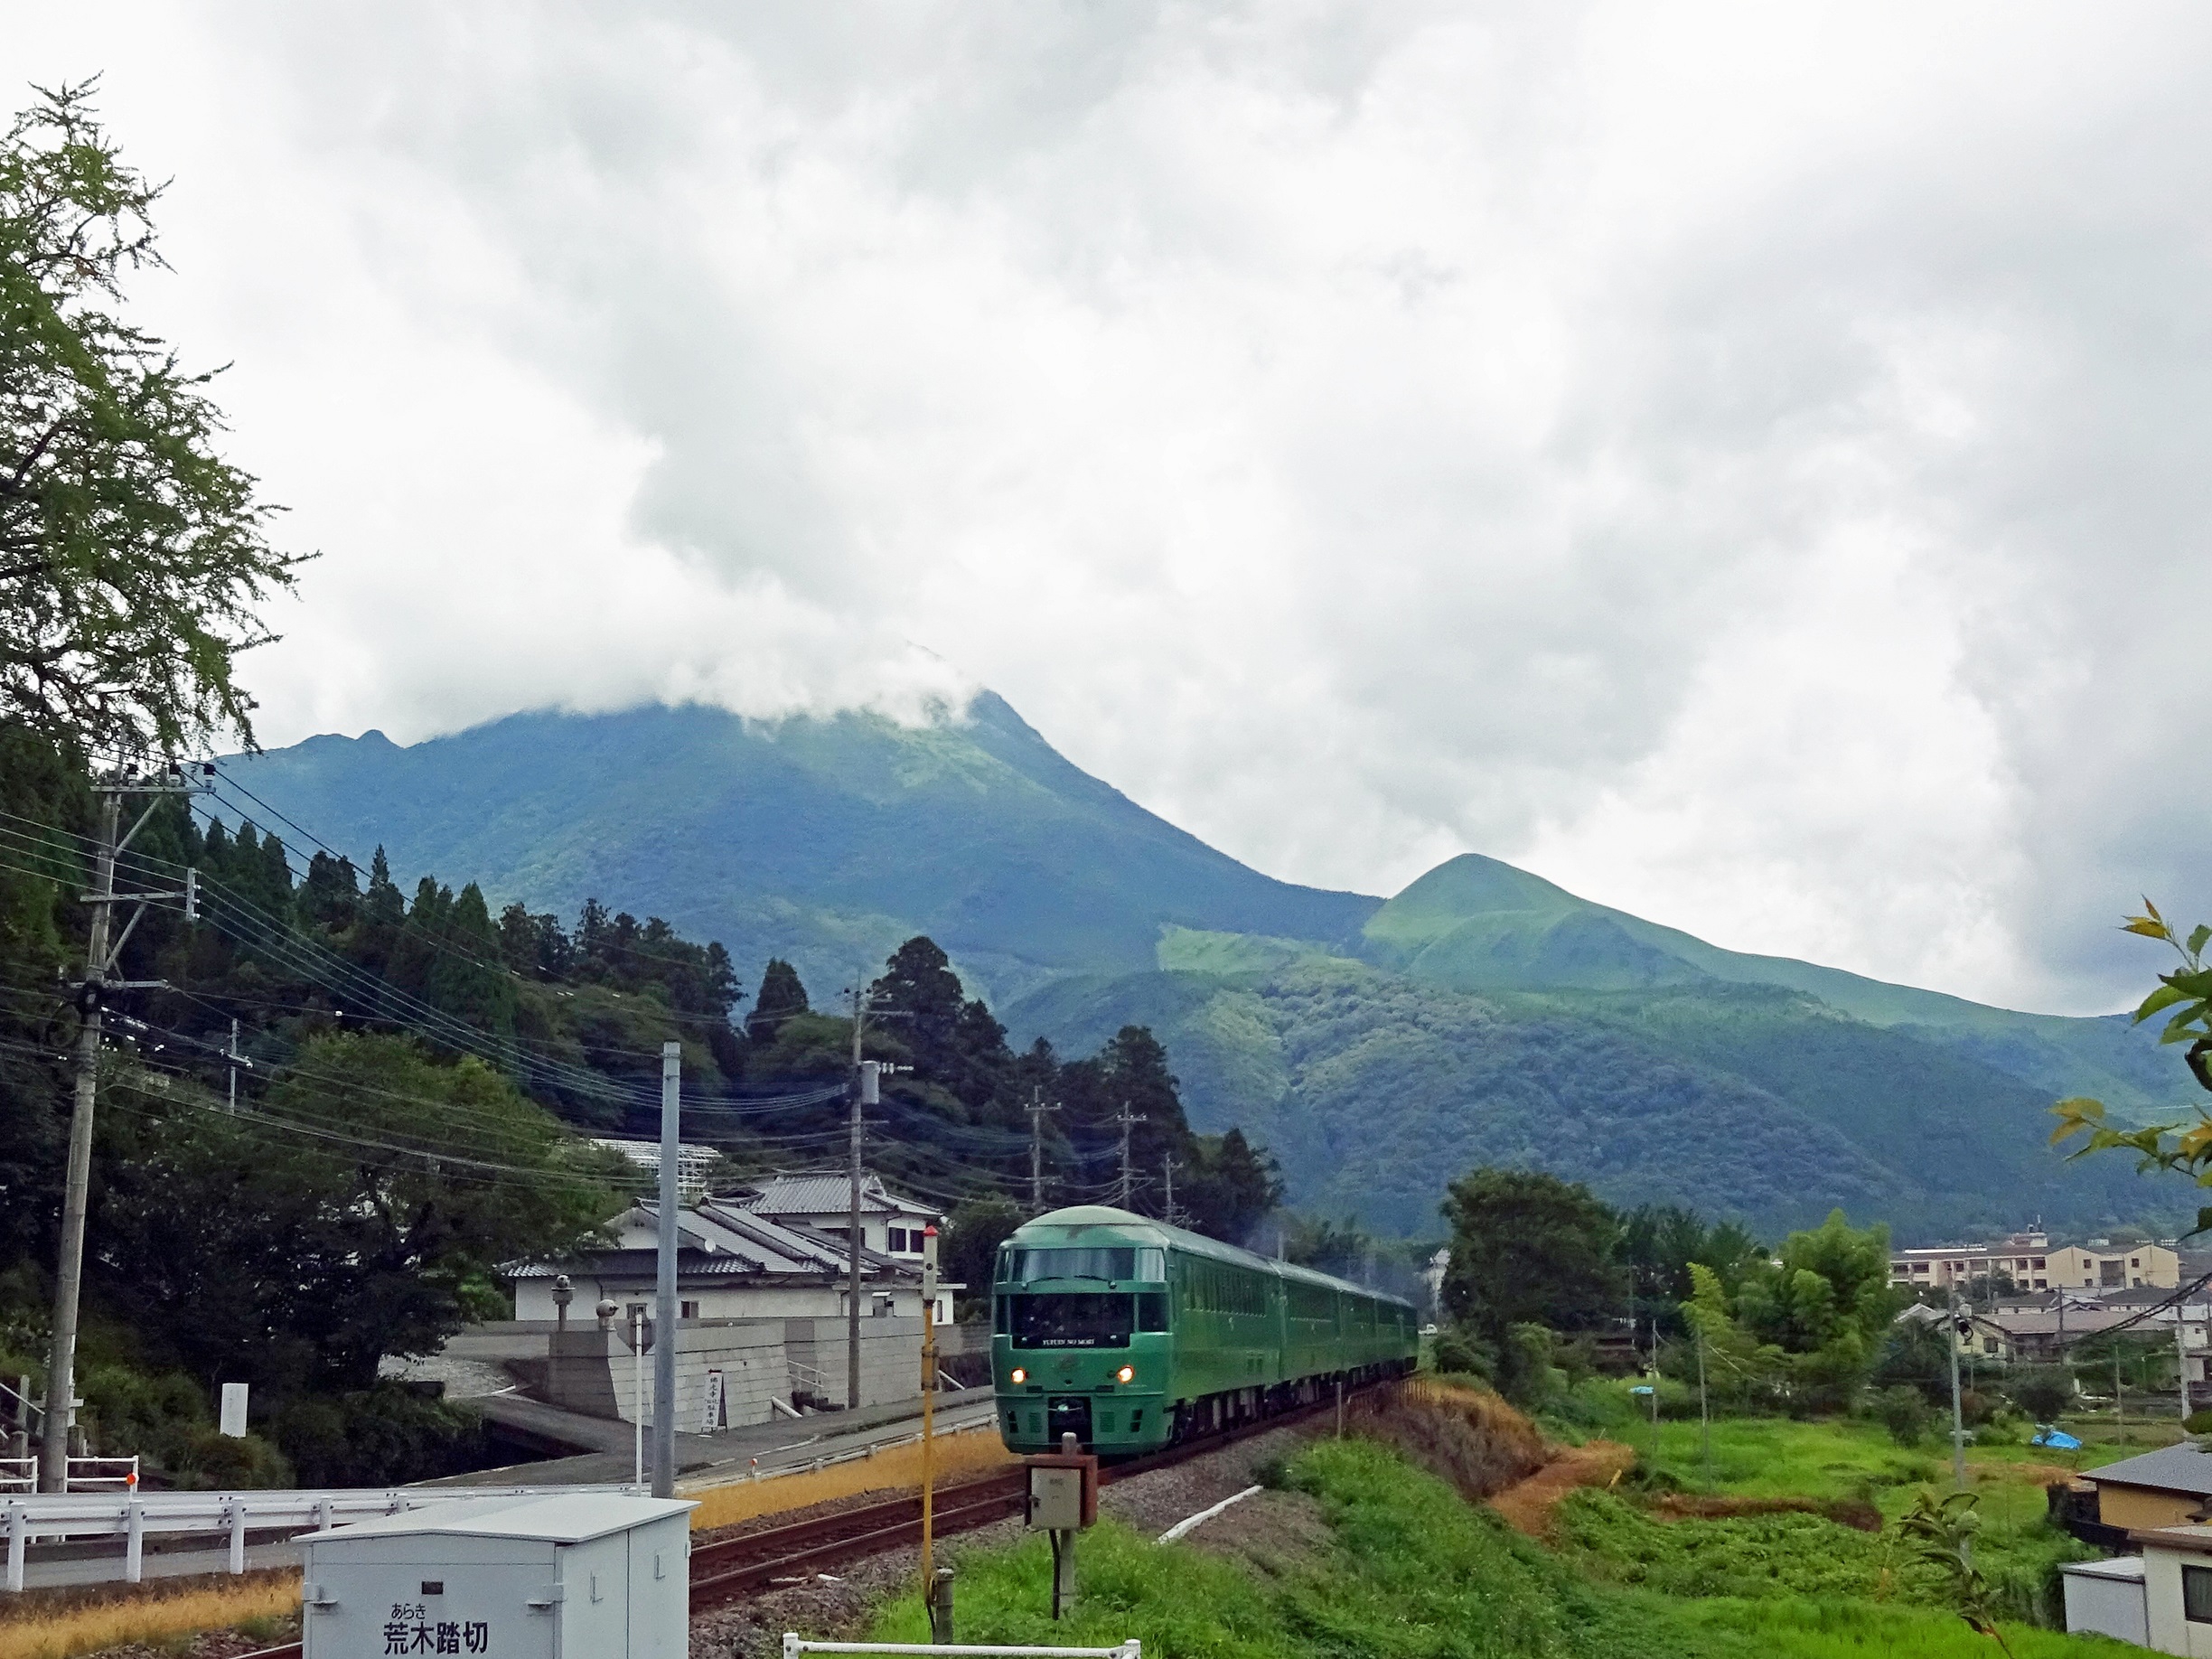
1115 1264
1073 1320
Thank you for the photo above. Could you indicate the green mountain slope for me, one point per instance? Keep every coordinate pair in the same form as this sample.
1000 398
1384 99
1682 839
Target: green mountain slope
1475 923
1374 1089
826 841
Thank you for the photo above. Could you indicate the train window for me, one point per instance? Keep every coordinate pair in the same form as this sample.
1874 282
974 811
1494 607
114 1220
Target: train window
1111 1264
998 1315
1078 1320
1152 1310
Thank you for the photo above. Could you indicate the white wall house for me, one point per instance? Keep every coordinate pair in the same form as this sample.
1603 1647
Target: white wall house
730 1264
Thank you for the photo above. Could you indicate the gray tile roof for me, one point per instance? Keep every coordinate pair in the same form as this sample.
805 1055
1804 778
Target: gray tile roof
814 1192
2171 1468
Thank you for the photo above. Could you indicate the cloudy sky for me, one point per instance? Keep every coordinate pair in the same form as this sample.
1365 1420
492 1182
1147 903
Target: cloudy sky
1747 464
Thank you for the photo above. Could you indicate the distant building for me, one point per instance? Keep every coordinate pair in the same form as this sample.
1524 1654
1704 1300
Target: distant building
2030 1261
692 1163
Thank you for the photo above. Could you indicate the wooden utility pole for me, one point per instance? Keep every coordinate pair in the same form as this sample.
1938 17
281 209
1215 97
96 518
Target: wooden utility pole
1958 1415
1167 1177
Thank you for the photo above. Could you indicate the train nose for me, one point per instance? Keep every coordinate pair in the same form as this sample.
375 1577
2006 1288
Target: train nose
1069 1414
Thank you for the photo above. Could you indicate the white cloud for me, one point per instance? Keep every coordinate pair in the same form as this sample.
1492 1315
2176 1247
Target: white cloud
1741 460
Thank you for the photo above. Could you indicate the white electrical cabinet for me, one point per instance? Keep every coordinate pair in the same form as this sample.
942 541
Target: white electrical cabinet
568 1576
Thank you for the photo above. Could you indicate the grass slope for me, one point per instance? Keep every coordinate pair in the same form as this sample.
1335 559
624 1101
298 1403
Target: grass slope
1416 1573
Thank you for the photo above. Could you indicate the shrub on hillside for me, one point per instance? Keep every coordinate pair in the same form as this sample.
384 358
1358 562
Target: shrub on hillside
1459 1352
378 1437
1904 1412
2041 1391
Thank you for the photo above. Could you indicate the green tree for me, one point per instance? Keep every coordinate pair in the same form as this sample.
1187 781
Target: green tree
362 1209
973 1232
1828 1303
1529 1248
1232 1188
133 558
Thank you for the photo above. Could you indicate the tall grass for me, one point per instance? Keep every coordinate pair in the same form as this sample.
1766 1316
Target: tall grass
898 1469
1467 1436
37 1628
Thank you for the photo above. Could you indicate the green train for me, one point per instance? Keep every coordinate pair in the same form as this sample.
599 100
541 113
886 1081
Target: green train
1131 1335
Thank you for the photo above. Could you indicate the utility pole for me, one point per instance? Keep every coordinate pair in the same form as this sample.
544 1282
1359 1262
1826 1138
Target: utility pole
664 1344
865 1093
100 961
1125 1118
1958 1414
234 1057
1038 1111
2181 1358
1167 1174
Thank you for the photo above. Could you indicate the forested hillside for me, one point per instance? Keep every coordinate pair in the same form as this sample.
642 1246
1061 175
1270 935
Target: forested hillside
1483 1014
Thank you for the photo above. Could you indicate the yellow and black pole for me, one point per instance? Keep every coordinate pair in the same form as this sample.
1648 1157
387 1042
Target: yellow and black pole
932 1593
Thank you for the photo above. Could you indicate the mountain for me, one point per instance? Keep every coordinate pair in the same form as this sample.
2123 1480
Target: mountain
1378 1048
825 842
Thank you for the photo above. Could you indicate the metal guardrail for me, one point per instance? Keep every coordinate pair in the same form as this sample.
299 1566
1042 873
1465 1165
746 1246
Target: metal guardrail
793 1647
21 1475
133 1516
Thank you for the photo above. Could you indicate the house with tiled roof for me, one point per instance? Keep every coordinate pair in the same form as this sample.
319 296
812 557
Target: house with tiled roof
821 1201
731 1263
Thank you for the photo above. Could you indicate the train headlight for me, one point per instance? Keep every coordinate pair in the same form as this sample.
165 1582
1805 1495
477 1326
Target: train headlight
1128 1374
1017 1375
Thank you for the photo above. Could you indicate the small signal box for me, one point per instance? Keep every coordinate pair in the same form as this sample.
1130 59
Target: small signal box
1063 1489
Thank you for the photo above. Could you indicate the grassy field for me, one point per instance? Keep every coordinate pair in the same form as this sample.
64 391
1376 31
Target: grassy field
1414 1572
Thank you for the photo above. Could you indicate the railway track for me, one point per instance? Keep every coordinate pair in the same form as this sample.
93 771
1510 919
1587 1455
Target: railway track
778 1556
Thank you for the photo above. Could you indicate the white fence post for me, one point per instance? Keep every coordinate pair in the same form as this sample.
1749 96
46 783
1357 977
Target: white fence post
238 1535
16 1533
134 1546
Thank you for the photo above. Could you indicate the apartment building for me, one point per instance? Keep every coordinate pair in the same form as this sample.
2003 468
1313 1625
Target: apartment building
2030 1261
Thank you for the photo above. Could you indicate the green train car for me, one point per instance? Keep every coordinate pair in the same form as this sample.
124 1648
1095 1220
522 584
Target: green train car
1131 1335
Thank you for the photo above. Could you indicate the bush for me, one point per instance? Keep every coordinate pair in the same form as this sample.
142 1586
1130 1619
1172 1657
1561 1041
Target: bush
380 1437
2199 1422
1458 1352
2041 1391
1903 1411
1525 1373
205 1459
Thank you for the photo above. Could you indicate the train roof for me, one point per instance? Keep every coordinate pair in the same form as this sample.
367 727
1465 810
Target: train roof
1122 1226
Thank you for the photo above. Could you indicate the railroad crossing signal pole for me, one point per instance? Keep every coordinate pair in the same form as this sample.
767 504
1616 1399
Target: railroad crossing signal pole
101 959
939 1619
664 1350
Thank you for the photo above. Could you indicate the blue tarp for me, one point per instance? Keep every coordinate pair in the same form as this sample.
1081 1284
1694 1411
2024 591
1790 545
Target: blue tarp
2056 1438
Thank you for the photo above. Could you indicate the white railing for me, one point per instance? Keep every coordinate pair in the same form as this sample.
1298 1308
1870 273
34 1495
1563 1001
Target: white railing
132 1516
793 1647
21 1474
